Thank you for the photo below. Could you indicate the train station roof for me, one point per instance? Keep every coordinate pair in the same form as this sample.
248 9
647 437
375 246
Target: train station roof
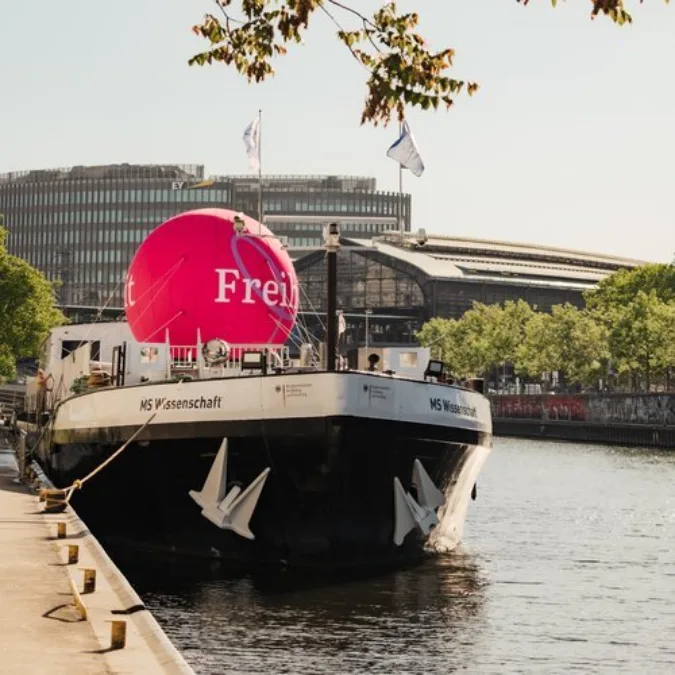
457 258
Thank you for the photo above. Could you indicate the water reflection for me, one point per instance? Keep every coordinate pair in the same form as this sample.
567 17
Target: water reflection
230 622
568 566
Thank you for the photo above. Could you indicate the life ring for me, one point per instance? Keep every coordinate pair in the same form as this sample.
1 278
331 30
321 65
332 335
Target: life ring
49 383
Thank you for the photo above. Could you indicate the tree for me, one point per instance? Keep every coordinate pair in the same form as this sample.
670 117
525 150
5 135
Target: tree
616 291
631 324
511 330
7 363
491 336
447 340
480 328
537 354
402 69
568 340
27 309
485 336
437 335
642 339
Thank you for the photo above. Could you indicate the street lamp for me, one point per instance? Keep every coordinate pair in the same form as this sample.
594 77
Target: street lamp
368 313
332 238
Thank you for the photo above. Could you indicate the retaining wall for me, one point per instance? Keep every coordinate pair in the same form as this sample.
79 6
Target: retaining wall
624 419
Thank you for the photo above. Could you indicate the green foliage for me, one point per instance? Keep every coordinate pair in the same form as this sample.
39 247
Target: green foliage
619 289
79 384
402 69
629 324
475 340
538 354
445 338
492 334
642 339
27 309
7 364
513 322
568 340
486 336
436 334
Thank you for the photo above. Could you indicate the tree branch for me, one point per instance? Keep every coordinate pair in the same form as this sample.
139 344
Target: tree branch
342 30
403 70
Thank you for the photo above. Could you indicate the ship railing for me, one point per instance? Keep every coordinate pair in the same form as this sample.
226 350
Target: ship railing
184 357
189 359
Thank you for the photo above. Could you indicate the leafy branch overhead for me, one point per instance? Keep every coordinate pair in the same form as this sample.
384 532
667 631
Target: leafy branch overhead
614 9
402 69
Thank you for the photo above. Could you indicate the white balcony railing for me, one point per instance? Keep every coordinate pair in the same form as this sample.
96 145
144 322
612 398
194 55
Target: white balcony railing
189 358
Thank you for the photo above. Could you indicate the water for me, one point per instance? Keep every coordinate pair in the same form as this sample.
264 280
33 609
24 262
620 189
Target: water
568 565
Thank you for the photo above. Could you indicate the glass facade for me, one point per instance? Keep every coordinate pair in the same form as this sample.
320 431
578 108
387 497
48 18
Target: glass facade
82 225
453 298
369 285
365 281
398 297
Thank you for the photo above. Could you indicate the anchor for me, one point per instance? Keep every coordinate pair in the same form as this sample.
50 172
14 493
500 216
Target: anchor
228 510
409 513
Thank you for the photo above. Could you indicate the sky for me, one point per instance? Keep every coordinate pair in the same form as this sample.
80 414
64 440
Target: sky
570 141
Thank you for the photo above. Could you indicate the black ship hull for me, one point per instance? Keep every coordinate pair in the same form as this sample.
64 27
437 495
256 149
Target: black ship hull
328 500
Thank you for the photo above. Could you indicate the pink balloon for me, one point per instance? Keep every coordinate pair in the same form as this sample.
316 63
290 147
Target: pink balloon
195 272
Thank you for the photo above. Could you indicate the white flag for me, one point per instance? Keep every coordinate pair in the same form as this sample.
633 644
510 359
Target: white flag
252 143
406 152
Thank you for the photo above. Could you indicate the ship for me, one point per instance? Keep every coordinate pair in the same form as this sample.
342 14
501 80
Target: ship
240 451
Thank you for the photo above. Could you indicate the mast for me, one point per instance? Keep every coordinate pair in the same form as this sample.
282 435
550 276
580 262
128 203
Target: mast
332 237
401 226
260 186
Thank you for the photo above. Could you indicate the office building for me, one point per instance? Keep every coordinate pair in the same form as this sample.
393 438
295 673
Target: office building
82 225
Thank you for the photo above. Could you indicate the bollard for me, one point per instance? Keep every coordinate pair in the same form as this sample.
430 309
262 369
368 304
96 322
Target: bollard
89 580
118 634
61 530
73 554
55 500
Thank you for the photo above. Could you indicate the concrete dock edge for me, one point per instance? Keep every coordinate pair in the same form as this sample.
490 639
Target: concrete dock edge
148 649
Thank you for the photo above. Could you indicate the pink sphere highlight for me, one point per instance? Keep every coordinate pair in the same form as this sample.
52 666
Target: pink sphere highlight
194 272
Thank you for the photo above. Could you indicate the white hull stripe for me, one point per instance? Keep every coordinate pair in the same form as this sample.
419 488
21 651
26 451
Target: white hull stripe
292 396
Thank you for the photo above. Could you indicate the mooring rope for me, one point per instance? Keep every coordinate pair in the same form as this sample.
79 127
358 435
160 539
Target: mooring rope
79 482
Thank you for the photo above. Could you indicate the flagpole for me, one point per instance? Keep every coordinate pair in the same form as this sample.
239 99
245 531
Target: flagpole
407 154
401 228
260 185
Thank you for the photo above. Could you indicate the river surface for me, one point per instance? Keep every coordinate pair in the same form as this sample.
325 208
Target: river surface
567 565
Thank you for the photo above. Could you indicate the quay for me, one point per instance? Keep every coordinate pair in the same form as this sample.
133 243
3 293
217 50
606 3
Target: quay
66 608
631 435
639 419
